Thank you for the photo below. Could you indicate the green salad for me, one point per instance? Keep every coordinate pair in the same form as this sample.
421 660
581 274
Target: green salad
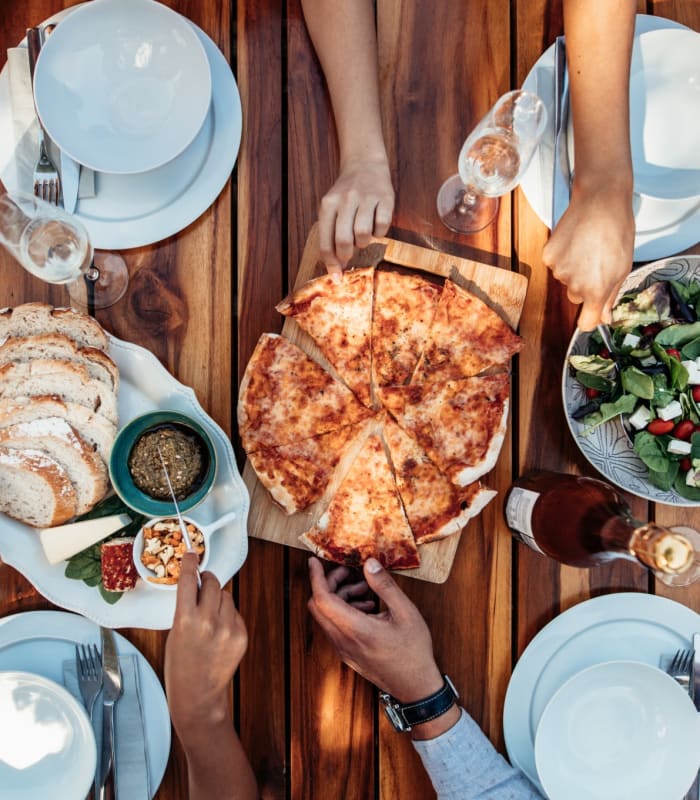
652 379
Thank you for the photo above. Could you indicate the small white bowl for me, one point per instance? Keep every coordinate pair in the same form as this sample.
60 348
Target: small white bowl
123 86
207 531
616 730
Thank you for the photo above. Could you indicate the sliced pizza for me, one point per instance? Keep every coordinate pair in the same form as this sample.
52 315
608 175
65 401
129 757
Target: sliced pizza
435 507
466 338
460 424
285 396
297 474
404 307
338 317
365 518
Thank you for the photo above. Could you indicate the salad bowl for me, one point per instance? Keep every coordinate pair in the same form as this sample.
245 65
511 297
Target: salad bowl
608 446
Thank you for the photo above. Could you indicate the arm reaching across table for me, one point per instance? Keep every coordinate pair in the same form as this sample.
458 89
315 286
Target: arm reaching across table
591 249
204 648
361 201
393 650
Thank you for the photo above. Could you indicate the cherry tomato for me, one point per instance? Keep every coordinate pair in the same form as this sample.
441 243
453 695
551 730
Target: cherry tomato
684 429
604 353
674 353
660 426
686 464
696 393
591 393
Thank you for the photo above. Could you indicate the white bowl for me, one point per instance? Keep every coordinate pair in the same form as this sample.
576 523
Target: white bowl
123 86
620 730
47 746
149 575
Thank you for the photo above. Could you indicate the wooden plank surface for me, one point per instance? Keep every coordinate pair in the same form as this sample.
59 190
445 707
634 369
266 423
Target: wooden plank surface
502 290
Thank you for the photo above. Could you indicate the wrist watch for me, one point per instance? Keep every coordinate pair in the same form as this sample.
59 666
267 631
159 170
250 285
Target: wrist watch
403 716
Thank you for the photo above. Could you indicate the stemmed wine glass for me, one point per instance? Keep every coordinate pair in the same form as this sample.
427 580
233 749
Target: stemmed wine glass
492 161
54 246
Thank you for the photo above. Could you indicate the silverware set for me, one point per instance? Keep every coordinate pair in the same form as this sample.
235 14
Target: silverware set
684 668
101 674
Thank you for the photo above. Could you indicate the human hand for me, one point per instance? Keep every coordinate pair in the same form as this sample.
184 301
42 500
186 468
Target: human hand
392 649
358 205
204 648
591 249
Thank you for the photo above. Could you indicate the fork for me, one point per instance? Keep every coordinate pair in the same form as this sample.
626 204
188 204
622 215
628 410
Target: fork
89 670
47 184
680 669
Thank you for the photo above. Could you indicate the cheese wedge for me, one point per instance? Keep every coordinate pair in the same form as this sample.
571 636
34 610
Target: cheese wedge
65 541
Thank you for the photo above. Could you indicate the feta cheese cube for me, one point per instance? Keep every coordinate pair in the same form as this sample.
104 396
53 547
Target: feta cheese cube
679 447
649 361
640 418
630 340
693 371
672 410
692 478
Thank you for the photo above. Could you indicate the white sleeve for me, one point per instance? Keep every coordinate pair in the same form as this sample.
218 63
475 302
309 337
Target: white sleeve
464 765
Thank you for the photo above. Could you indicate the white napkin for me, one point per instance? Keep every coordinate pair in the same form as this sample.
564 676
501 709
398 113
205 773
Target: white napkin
24 150
132 779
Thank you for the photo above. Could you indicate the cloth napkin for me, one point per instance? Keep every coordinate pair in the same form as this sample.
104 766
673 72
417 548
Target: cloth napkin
132 778
24 149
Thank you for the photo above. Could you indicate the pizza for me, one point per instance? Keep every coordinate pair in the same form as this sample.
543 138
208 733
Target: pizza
435 507
365 519
338 317
466 337
381 453
286 396
460 424
404 308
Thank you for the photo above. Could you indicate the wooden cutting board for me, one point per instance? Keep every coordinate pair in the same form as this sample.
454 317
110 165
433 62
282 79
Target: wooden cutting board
501 289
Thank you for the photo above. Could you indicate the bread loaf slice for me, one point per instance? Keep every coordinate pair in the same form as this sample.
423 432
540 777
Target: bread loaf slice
55 438
59 346
34 488
32 319
66 380
96 430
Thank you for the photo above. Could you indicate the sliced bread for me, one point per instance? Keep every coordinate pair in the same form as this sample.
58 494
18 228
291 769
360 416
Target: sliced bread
96 430
54 437
59 346
35 489
32 319
65 380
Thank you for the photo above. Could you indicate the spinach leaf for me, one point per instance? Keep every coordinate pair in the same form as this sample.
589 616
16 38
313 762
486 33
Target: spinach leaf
110 597
695 446
652 450
637 382
678 374
664 480
595 382
625 404
593 365
678 335
662 394
689 492
691 350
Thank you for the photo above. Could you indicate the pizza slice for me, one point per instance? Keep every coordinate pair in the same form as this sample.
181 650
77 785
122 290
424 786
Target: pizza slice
466 337
285 396
297 474
365 518
404 307
435 507
460 424
338 317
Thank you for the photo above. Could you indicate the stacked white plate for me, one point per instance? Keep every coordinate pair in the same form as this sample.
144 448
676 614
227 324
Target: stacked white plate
664 107
142 193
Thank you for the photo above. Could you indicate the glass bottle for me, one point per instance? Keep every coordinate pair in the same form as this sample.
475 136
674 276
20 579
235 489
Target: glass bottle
585 522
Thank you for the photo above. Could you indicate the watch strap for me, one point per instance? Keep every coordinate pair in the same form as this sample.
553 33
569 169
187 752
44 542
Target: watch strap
404 716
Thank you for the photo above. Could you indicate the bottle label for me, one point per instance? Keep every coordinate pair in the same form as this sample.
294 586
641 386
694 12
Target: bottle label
519 515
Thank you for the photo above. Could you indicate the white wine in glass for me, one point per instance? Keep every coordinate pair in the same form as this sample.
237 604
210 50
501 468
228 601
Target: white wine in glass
55 247
492 161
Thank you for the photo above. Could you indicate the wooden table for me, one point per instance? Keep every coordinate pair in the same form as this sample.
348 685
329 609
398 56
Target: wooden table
199 301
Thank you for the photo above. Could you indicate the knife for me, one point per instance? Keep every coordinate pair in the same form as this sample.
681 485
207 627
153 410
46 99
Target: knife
561 185
111 692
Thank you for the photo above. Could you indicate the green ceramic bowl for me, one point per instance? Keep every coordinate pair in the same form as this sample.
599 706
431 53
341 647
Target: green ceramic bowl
121 477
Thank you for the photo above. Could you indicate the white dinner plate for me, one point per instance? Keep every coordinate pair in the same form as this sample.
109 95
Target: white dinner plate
135 210
47 745
145 385
617 627
607 447
664 226
40 641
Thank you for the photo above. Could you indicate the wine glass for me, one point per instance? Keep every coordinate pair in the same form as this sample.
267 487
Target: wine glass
54 246
492 161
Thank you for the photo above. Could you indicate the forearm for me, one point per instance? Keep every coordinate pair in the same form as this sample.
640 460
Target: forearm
345 39
599 35
217 765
